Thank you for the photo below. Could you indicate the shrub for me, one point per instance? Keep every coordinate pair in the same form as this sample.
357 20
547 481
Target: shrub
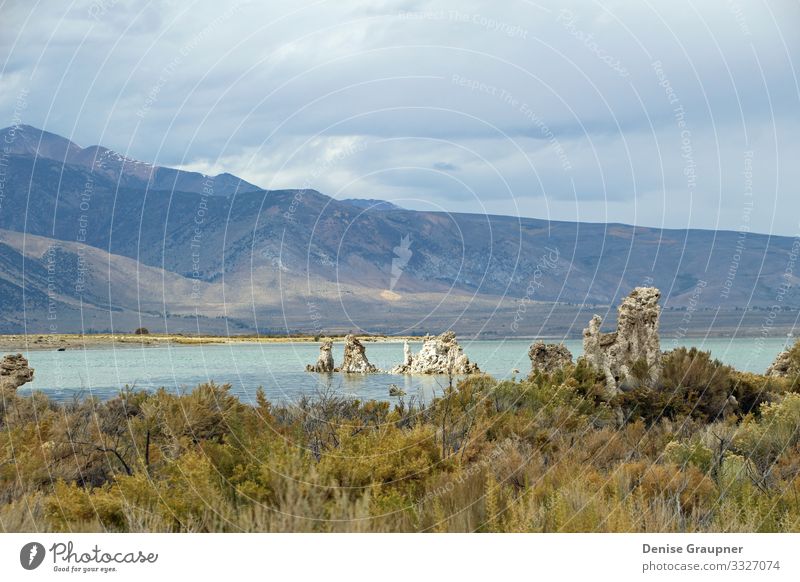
753 390
389 456
649 405
588 381
545 454
695 384
686 486
684 454
141 331
763 440
209 412
70 505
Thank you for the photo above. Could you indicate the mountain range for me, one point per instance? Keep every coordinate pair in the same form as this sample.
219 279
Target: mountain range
93 240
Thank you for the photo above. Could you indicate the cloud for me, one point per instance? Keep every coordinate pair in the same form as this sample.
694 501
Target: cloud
561 110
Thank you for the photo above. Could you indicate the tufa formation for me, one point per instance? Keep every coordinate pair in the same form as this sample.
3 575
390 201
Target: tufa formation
785 363
548 358
636 339
438 355
355 357
325 360
14 372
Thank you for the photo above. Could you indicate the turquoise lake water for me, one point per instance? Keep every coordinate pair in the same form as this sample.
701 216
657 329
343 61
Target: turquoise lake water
280 367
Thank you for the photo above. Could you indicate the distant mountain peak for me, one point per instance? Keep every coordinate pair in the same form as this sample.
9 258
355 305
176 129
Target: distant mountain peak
372 204
27 140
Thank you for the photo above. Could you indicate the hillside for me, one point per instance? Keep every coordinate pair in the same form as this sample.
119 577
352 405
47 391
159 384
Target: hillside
263 257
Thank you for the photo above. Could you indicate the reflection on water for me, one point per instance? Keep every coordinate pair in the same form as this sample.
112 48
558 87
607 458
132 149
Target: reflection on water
280 367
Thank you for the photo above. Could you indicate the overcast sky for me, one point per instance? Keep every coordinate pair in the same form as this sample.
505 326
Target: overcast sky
666 113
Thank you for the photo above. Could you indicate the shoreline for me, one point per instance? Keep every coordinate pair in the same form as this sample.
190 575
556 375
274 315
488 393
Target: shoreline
40 342
62 342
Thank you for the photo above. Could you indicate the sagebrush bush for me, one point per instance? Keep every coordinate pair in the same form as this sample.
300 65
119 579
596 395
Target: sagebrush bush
776 433
692 384
549 453
701 385
690 453
753 390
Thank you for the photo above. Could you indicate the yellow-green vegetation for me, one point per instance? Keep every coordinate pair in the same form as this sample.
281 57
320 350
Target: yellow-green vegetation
705 448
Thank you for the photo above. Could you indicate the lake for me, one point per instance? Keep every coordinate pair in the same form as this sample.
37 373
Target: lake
280 367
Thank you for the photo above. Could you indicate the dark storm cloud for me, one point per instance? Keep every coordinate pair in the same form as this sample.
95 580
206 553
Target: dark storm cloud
621 111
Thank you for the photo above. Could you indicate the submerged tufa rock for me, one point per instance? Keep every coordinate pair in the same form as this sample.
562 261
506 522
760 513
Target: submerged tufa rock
438 355
325 359
549 358
355 357
636 338
14 372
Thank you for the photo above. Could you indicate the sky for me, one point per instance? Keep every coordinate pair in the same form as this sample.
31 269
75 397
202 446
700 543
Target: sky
669 114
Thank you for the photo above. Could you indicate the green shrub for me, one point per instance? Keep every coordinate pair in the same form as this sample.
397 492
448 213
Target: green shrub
696 385
689 453
753 390
763 440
